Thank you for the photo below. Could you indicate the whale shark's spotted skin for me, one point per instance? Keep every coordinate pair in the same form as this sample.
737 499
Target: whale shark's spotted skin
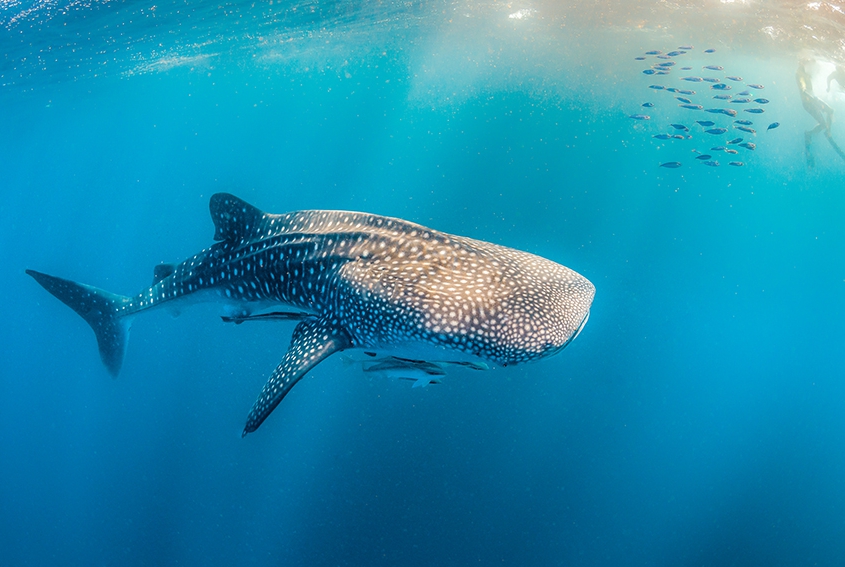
354 280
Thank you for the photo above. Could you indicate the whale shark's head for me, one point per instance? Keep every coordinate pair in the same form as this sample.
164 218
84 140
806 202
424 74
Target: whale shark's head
540 308
558 309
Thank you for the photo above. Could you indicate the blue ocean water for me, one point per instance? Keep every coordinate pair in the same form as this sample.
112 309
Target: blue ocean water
697 420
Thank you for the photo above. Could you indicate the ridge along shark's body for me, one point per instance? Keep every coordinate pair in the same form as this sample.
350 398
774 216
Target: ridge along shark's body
358 281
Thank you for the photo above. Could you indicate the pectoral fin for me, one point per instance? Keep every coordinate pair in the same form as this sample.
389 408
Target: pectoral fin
313 340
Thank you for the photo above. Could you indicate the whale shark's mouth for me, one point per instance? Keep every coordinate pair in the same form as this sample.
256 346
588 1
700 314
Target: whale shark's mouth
574 335
580 327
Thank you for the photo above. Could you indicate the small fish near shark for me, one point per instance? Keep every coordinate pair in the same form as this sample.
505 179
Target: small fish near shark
355 281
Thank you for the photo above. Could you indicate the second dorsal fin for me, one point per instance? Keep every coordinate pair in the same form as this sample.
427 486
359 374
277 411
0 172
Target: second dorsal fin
162 271
233 218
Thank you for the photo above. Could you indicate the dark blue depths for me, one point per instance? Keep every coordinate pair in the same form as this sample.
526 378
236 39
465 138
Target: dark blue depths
696 420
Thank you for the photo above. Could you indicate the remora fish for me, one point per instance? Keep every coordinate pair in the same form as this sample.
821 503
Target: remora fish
353 280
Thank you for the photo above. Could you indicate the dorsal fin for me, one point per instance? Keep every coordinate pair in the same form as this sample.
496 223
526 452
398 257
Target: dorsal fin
233 218
162 271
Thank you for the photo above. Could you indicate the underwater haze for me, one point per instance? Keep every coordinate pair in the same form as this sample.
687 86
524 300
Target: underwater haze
698 419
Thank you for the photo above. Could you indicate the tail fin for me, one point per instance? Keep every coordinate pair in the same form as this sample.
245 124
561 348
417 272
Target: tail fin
107 313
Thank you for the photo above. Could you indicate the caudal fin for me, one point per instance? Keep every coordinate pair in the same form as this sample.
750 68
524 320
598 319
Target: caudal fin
107 313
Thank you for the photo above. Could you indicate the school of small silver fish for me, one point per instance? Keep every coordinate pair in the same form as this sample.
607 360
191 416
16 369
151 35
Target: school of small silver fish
669 112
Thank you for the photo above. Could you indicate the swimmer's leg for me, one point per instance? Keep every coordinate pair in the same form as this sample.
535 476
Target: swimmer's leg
808 139
816 108
834 145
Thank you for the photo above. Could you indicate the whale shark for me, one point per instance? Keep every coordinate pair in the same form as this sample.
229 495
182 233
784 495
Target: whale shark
355 281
